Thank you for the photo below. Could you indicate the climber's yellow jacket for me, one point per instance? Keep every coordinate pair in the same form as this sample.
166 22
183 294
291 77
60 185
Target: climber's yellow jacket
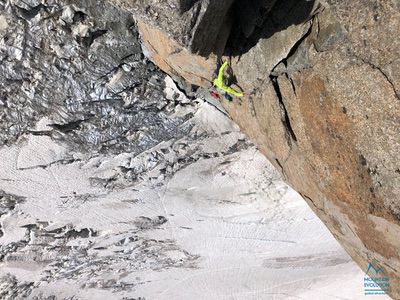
219 82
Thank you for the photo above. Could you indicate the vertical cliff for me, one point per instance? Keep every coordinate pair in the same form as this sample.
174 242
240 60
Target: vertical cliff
322 101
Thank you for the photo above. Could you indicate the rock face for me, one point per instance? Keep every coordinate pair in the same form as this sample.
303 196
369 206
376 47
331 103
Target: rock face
322 103
195 24
174 59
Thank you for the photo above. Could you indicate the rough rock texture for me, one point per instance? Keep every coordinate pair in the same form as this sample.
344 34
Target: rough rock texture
174 59
195 24
57 60
322 103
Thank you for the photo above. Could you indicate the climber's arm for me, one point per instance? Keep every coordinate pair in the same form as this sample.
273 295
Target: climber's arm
233 92
221 71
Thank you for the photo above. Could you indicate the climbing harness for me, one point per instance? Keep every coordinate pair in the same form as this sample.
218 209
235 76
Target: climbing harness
220 83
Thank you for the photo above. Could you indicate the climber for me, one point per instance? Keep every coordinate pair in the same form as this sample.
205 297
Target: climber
223 82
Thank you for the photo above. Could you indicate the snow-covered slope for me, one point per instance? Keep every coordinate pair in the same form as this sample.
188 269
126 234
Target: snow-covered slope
203 216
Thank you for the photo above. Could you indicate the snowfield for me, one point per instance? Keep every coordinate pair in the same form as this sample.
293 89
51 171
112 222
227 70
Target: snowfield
198 217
